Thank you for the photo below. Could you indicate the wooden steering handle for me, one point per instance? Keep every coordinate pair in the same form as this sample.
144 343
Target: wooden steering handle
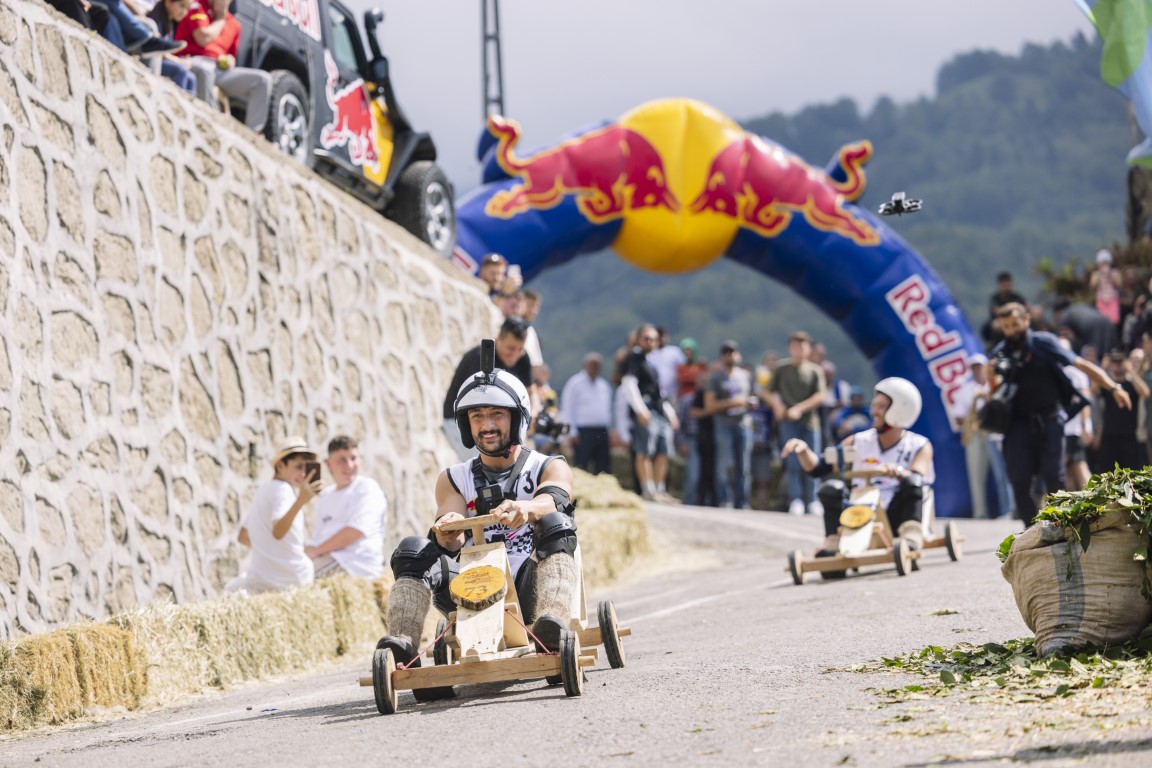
864 474
467 523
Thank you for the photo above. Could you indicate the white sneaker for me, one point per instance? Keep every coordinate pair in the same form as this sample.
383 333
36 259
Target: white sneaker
815 508
796 508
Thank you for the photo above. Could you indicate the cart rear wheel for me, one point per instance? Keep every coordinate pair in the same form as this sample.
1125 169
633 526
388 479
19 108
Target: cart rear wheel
900 556
795 565
610 634
952 542
441 653
383 665
570 669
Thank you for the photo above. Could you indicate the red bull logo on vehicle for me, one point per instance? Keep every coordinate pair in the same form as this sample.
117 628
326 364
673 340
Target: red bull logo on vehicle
305 14
352 124
610 170
763 185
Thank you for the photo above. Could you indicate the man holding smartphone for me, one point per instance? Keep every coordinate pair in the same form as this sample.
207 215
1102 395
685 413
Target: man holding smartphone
274 528
350 517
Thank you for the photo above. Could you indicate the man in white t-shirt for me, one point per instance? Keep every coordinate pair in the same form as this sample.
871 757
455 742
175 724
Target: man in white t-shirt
350 517
274 527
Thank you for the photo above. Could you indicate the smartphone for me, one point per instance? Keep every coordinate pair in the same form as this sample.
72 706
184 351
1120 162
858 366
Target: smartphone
514 271
311 471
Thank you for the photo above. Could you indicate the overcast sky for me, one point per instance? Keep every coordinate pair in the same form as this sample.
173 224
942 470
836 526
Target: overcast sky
568 64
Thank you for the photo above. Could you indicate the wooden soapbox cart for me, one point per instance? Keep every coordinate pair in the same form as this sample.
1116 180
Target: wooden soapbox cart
866 537
485 640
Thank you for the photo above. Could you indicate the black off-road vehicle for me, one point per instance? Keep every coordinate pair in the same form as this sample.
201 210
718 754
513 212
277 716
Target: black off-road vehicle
334 110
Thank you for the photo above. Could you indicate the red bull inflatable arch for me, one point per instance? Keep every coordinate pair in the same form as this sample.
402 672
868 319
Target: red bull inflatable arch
673 185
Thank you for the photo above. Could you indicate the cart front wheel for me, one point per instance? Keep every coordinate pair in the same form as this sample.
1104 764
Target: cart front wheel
952 542
901 558
795 566
610 634
570 663
383 665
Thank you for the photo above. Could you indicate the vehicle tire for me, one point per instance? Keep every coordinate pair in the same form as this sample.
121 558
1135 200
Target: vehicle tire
952 542
423 205
570 669
383 665
795 561
289 125
610 634
900 557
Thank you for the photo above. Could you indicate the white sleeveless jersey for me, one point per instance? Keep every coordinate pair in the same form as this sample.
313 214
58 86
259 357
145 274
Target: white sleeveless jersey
521 542
869 455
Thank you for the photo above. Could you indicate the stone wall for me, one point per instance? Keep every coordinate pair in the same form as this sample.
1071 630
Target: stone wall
175 298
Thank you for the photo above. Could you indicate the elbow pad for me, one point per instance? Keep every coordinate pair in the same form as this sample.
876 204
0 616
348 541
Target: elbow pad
822 469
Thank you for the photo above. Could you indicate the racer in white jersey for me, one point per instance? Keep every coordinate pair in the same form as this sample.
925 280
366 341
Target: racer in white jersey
529 493
904 457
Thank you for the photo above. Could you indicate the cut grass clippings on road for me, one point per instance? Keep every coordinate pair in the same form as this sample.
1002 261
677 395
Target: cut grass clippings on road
1094 680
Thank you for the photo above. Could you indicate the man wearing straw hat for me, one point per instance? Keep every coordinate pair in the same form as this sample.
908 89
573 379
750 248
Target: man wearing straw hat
274 528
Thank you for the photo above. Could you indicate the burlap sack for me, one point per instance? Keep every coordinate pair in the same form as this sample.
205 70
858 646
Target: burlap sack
1071 598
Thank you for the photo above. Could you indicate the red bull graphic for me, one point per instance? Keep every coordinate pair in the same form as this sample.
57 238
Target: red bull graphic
352 124
608 170
305 14
674 184
762 185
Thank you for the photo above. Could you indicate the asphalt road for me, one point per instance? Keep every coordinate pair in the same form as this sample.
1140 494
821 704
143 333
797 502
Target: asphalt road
730 664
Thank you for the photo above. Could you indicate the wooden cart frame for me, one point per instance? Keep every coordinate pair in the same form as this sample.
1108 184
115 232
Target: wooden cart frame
874 542
492 644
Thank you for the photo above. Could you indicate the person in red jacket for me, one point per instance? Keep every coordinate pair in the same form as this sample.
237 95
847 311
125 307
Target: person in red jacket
213 34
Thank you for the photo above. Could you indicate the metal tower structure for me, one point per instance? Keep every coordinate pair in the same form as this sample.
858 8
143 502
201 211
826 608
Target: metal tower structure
493 69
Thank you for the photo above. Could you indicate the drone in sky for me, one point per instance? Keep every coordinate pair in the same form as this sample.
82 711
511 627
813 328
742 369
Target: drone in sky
899 205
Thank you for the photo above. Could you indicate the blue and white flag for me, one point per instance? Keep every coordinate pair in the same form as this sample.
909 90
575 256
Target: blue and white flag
1126 65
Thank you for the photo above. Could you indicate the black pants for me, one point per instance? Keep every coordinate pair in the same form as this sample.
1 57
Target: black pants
1034 446
1121 449
593 452
907 504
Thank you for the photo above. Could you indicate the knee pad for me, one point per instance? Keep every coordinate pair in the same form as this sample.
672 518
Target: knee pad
832 493
414 557
555 533
439 578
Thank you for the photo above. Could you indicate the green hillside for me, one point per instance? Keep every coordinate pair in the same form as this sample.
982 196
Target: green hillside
1017 158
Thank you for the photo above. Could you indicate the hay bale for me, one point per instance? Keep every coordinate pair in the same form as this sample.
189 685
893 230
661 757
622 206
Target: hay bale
357 616
601 491
233 639
612 527
56 677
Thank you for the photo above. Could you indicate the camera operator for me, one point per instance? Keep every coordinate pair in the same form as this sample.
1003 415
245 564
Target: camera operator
530 495
1030 363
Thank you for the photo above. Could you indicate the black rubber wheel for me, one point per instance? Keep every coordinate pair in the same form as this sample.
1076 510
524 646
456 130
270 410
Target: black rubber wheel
795 560
441 654
423 205
289 125
383 665
900 557
952 542
610 634
570 670
554 679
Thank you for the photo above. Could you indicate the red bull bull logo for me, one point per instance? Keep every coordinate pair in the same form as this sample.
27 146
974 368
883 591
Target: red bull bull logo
352 124
610 171
762 185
